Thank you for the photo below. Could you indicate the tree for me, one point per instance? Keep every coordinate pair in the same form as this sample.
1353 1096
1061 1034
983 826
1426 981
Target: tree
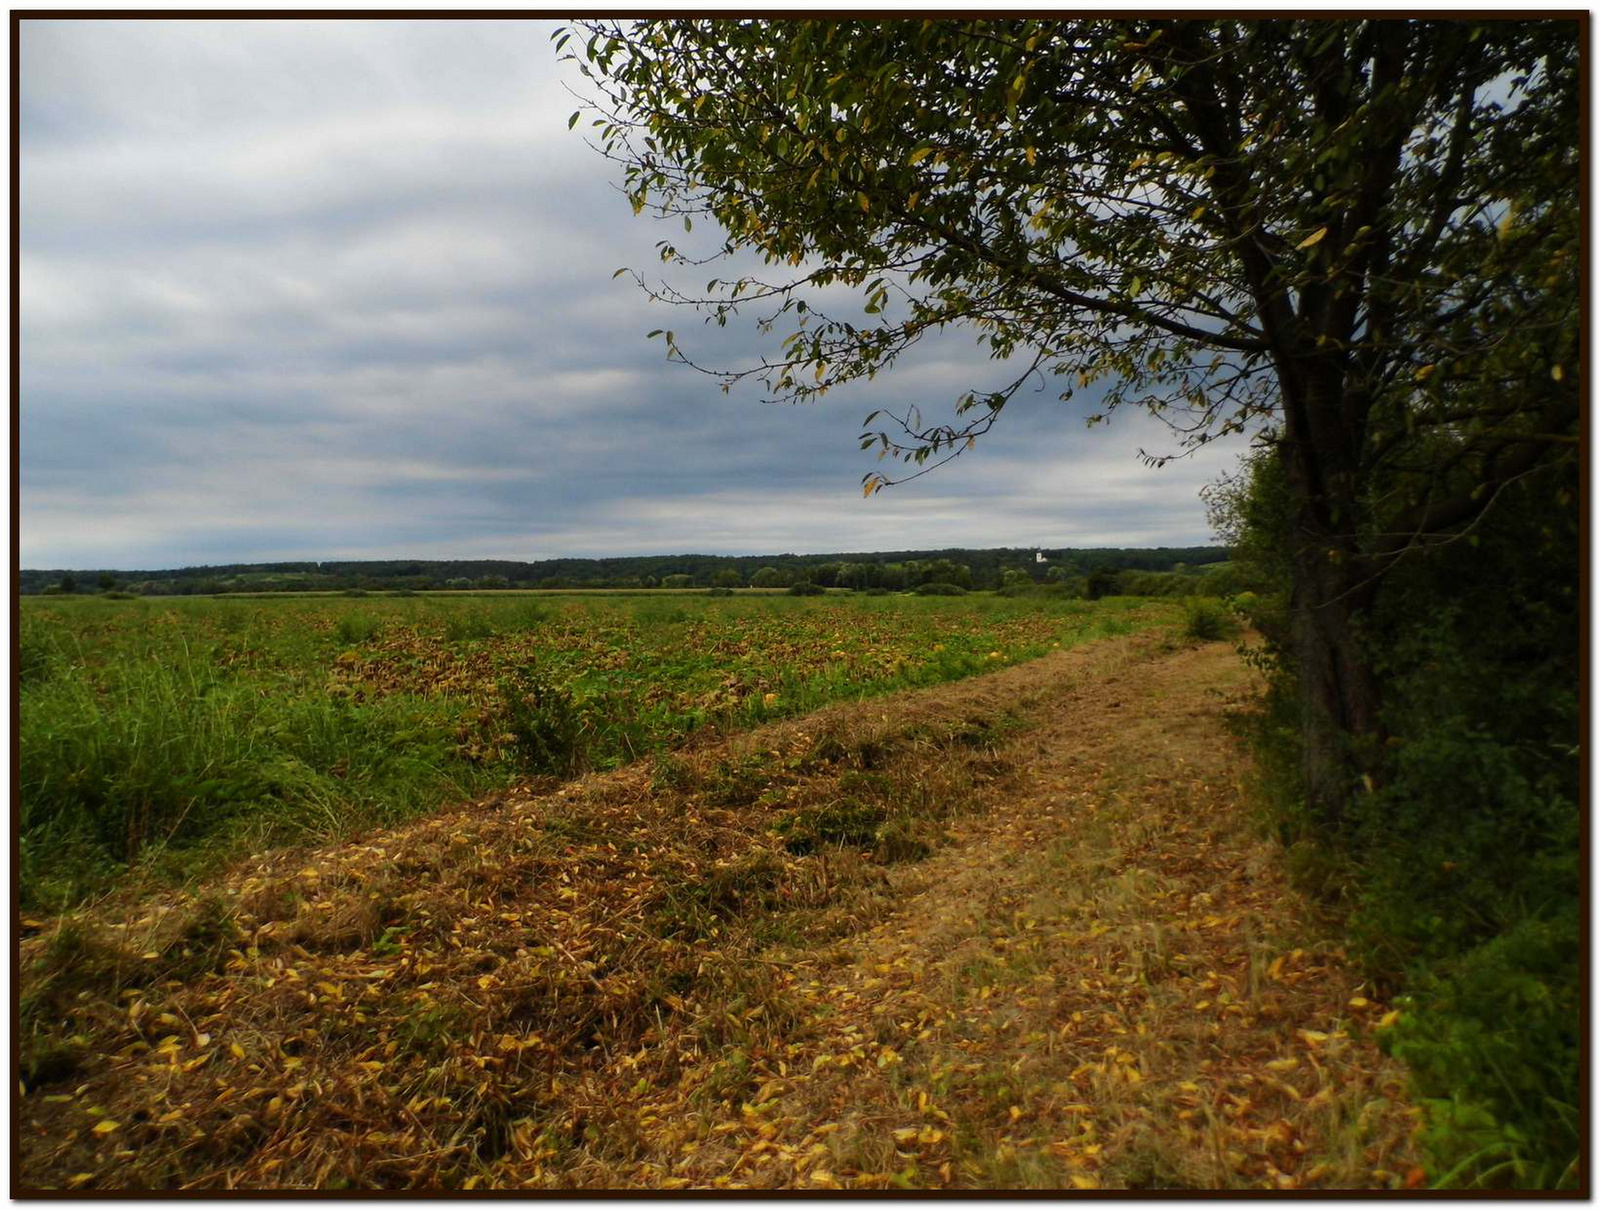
1358 236
1015 577
69 583
767 577
1103 582
726 578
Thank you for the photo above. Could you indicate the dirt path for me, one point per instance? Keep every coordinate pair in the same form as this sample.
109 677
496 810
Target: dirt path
1011 932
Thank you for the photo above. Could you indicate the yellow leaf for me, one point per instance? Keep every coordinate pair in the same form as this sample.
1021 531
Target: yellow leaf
308 872
1312 1037
1557 373
1359 1002
1283 1064
1031 154
920 154
863 201
238 1051
330 989
1313 239
1199 212
1389 1018
1425 373
107 1126
1081 1180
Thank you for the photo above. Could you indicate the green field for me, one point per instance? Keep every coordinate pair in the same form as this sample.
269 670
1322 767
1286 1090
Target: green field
161 737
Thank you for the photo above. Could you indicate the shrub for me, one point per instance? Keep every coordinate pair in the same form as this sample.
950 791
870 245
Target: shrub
1206 621
939 588
546 727
1102 582
805 588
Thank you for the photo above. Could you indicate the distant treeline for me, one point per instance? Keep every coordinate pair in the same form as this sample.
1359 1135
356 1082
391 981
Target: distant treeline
891 570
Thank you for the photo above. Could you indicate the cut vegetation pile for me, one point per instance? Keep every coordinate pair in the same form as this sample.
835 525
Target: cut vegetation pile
1002 933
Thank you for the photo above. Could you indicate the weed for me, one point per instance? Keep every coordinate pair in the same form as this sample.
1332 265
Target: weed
545 724
1206 621
357 627
844 822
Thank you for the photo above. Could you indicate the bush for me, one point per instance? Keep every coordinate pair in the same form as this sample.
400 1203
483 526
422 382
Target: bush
1458 865
1102 582
806 589
939 588
1206 621
1493 1115
546 727
719 591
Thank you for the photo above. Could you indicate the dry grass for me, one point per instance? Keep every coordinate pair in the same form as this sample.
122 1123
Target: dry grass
646 980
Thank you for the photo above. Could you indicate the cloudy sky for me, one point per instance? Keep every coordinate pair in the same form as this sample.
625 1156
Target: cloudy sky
300 290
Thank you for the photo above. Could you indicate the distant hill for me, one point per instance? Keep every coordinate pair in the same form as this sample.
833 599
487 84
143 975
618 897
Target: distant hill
896 568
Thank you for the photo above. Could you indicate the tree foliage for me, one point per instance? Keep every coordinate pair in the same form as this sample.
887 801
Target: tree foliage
1359 237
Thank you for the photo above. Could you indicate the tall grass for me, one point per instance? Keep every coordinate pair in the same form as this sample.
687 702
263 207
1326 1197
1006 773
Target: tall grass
162 737
135 771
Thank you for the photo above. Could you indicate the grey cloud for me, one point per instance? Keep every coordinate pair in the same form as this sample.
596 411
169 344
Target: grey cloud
344 289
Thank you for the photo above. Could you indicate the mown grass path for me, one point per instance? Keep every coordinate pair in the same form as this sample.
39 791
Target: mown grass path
1010 932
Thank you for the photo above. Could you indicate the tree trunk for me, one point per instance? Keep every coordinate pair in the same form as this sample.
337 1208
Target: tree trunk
1342 727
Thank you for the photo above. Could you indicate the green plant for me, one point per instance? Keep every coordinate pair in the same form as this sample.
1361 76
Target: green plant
847 822
1206 621
547 728
356 627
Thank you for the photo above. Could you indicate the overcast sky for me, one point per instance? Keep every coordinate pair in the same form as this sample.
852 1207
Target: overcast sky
338 290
